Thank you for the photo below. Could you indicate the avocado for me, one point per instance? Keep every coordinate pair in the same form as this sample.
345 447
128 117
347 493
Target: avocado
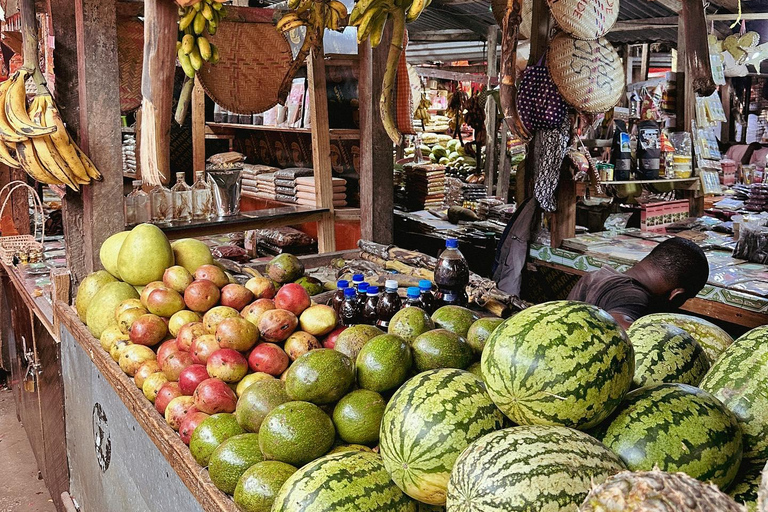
232 458
209 434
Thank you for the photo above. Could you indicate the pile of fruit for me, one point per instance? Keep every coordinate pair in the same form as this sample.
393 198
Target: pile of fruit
544 411
452 153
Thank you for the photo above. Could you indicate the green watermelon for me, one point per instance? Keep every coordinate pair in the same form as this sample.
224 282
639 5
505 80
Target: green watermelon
558 363
740 380
350 481
677 428
666 354
426 425
762 492
441 348
712 338
745 487
528 468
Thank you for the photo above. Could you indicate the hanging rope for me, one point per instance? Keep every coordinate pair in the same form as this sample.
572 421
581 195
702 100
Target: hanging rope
739 18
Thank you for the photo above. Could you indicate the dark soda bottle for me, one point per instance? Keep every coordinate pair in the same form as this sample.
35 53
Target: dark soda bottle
426 296
349 312
451 276
412 299
389 304
356 280
338 297
369 308
362 290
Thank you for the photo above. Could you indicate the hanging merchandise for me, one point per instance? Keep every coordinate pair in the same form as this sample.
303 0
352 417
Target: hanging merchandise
588 74
621 152
635 105
648 150
585 19
549 150
403 98
538 101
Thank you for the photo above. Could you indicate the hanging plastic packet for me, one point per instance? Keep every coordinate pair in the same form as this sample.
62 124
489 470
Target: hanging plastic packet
621 152
648 150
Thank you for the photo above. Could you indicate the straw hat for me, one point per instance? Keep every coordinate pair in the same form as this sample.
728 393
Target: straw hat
588 74
585 19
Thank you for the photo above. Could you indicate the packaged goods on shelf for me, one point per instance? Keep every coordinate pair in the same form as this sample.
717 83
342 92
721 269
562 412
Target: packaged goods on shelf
306 191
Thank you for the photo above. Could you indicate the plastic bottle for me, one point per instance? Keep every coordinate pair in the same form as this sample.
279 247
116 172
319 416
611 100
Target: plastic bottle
350 309
356 280
338 297
369 308
362 290
413 299
451 276
389 304
426 296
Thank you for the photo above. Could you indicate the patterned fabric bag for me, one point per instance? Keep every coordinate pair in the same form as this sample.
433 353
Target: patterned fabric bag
539 103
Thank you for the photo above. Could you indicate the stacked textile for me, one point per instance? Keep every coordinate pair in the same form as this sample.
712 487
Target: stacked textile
424 186
459 193
251 174
758 198
306 192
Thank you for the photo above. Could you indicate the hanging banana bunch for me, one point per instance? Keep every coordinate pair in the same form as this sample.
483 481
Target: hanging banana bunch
194 48
455 112
316 16
422 111
370 18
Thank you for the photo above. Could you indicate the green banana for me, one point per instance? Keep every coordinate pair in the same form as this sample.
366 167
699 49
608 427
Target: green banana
207 12
204 47
359 10
186 64
195 59
187 19
363 28
214 54
377 28
199 24
187 43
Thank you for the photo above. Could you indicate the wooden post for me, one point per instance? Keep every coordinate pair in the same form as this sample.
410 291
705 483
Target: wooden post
65 62
563 223
198 127
376 179
321 150
726 128
160 33
645 61
490 111
686 99
502 186
628 63
101 213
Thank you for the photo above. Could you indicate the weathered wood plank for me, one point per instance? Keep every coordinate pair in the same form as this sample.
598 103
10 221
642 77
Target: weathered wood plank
491 123
198 127
564 218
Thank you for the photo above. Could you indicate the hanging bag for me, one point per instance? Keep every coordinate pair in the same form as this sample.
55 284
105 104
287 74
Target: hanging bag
539 103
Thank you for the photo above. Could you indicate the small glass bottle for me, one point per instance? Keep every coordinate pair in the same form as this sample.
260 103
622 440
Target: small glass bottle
412 299
129 207
182 199
202 207
349 311
389 304
141 203
162 204
369 308
338 297
426 296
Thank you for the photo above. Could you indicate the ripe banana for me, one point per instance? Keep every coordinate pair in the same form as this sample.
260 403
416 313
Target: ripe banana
364 23
7 133
187 43
61 140
186 63
33 167
46 153
7 158
360 8
207 12
93 172
16 108
415 10
186 20
214 54
204 47
376 28
338 7
195 59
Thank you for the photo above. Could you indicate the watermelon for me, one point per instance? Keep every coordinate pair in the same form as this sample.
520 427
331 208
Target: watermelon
534 467
712 338
740 380
677 428
646 491
427 423
350 481
558 363
745 487
762 492
665 353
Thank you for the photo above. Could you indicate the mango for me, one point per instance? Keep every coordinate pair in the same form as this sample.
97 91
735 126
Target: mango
101 309
144 255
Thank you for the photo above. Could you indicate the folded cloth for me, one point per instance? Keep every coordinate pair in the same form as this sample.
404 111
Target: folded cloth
311 181
311 190
288 191
311 197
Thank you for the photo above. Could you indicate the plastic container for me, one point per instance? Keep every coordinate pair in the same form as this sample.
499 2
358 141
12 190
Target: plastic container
369 307
356 280
349 311
426 296
362 290
413 298
451 276
389 304
338 297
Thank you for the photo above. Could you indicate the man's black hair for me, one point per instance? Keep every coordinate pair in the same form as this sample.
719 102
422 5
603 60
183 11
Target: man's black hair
682 262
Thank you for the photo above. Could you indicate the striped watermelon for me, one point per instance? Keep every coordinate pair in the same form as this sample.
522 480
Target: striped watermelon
427 424
712 338
745 487
342 482
677 428
528 468
762 492
665 353
559 363
740 380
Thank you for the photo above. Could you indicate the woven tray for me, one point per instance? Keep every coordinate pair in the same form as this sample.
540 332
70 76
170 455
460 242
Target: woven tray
585 19
254 60
588 74
130 58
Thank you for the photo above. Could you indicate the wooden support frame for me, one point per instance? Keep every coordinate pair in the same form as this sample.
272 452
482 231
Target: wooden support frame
198 126
491 111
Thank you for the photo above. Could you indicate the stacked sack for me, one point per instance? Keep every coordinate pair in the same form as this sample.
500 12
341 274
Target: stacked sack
758 198
306 192
251 175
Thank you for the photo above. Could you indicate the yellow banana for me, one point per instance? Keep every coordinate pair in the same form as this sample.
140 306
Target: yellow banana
214 54
93 172
195 59
186 20
46 153
204 47
359 10
7 133
363 29
293 4
376 31
33 167
339 8
7 158
217 6
207 12
292 25
62 141
198 25
187 43
186 63
197 6
212 28
415 10
286 19
16 108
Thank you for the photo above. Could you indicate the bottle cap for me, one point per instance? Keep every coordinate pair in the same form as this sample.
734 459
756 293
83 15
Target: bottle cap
390 285
362 287
425 284
373 290
452 243
358 278
350 292
413 292
342 283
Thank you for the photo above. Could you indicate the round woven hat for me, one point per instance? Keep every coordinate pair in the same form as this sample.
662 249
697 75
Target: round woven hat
254 58
130 58
588 74
585 19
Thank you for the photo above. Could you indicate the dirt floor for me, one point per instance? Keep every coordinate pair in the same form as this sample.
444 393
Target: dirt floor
22 486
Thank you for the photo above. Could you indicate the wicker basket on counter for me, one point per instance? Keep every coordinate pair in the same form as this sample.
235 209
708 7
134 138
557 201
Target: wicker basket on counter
10 245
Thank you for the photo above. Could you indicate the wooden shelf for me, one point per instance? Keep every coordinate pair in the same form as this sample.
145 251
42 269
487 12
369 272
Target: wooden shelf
336 133
645 182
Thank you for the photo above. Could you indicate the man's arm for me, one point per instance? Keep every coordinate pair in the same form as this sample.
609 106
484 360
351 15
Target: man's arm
623 320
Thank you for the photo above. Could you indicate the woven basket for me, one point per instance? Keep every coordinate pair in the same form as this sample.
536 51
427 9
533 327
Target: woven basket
588 74
10 245
130 58
585 19
254 60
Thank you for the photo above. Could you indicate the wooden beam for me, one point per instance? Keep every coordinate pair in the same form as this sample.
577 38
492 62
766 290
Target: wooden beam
686 99
490 113
100 137
505 166
65 63
645 61
198 127
478 78
321 149
376 179
672 5
433 36
746 16
564 218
